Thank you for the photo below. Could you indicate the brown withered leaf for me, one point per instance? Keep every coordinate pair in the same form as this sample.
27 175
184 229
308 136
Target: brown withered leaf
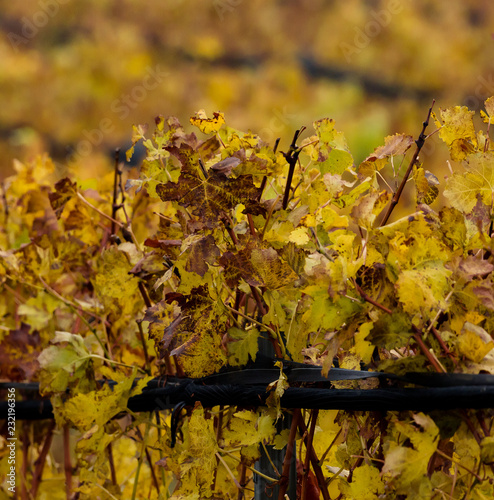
209 194
226 166
175 134
294 256
248 165
150 263
394 145
257 266
480 214
47 224
195 335
65 189
163 244
208 148
19 354
201 253
472 266
365 211
273 272
485 293
426 183
37 202
237 265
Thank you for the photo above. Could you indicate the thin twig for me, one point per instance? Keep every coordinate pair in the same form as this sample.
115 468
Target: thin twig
431 358
5 203
265 178
270 213
243 475
144 440
417 332
25 459
330 445
487 138
370 300
261 189
40 462
251 226
144 294
230 473
270 460
153 472
144 347
482 423
113 472
274 334
255 471
285 475
443 345
228 226
66 460
90 205
258 299
452 459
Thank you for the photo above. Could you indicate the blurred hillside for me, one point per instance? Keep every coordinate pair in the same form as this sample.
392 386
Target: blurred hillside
75 76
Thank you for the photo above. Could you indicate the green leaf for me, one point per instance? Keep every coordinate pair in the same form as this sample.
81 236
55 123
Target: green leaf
331 154
64 365
391 331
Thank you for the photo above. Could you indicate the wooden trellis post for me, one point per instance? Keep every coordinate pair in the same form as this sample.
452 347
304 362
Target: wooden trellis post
264 489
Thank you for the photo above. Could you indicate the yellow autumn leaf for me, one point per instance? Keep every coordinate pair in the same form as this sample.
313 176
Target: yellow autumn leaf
473 344
197 458
205 124
277 389
299 236
241 430
116 288
96 407
408 463
489 107
363 348
477 181
367 483
369 207
457 130
421 291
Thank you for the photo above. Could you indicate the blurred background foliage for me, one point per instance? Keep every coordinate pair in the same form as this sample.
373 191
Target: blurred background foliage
75 76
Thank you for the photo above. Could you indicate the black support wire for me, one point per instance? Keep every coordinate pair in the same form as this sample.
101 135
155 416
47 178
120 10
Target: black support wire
308 389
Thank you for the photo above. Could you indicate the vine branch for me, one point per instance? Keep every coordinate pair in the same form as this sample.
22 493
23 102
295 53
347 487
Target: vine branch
316 464
115 206
291 158
284 480
420 143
